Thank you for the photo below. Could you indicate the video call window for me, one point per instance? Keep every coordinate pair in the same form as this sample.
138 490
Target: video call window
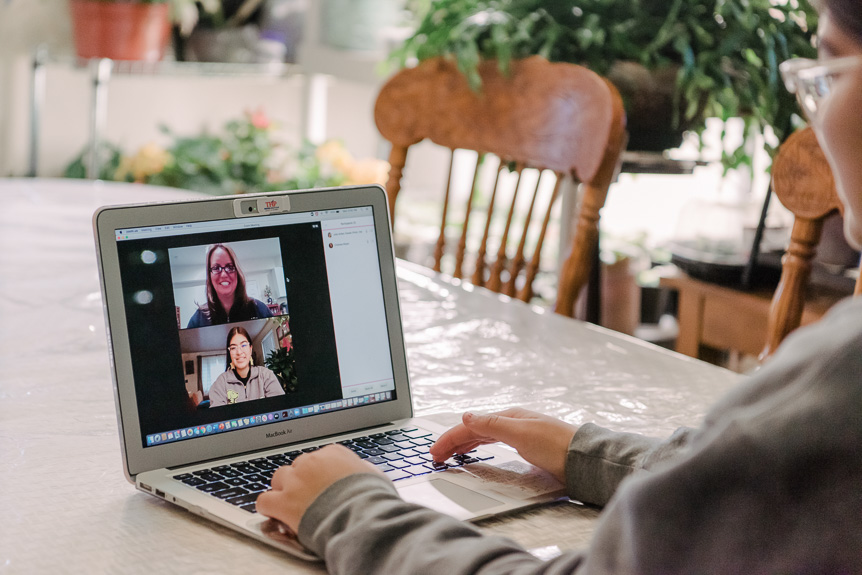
221 356
229 282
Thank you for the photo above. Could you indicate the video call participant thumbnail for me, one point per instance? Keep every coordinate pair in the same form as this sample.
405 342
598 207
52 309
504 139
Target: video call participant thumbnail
227 300
242 380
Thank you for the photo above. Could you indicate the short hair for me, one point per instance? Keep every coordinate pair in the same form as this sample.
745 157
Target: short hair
847 15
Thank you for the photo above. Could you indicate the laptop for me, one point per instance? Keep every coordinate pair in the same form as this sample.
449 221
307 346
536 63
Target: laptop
310 284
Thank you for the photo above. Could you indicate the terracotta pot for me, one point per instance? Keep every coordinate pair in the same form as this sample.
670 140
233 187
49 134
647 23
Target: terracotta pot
120 30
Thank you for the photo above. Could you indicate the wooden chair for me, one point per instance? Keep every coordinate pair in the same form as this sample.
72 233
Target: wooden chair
803 181
548 116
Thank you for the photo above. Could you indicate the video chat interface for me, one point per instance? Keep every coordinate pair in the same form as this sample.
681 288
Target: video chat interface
358 366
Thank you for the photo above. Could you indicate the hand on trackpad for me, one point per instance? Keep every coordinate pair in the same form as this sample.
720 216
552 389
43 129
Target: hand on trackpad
446 497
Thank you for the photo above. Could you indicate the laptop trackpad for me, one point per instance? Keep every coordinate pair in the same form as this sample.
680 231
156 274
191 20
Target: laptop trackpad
446 497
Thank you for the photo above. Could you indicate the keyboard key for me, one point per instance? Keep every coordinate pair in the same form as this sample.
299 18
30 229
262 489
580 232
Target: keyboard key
392 456
404 444
257 477
374 451
210 477
229 472
345 442
251 508
243 499
407 429
365 444
397 474
201 471
388 448
421 442
293 454
377 435
484 456
221 468
393 432
362 455
246 469
417 433
385 467
258 460
310 449
194 481
398 437
399 464
255 487
436 466
376 460
409 452
182 477
212 487
232 492
236 481
417 470
383 441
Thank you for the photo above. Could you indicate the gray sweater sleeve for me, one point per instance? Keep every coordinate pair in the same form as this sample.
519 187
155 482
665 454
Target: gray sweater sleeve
769 484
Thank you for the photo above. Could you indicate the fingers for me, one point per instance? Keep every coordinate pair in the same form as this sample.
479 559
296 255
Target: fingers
478 430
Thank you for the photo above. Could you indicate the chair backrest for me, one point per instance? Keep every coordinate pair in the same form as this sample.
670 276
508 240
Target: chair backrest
803 181
554 117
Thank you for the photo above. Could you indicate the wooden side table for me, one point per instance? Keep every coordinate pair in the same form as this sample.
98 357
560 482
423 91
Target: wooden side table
729 319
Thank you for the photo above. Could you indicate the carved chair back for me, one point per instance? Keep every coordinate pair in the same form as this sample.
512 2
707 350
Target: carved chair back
558 118
803 181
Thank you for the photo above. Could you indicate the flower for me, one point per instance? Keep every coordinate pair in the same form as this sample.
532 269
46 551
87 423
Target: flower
259 119
150 160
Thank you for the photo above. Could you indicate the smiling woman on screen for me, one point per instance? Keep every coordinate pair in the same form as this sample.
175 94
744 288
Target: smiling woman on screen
242 380
227 300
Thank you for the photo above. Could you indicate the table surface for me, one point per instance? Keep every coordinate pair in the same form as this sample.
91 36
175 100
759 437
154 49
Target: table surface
64 502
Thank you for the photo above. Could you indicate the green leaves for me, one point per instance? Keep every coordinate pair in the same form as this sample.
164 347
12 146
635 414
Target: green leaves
728 50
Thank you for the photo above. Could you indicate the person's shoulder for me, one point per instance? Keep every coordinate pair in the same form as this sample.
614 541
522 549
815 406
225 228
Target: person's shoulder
262 308
198 319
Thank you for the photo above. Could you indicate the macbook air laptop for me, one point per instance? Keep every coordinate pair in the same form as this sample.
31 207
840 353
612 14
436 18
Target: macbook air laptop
310 282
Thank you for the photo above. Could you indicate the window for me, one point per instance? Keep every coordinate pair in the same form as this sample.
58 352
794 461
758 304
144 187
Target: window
212 366
268 345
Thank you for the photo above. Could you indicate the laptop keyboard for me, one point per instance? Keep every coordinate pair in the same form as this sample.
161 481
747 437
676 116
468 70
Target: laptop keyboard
399 453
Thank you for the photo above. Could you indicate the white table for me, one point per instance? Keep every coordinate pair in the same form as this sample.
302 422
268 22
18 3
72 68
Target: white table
64 503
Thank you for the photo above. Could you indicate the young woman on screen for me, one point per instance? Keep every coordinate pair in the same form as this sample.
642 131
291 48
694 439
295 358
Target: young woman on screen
770 483
242 380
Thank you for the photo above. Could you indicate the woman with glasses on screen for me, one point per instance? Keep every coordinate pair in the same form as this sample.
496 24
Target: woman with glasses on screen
770 483
242 380
227 300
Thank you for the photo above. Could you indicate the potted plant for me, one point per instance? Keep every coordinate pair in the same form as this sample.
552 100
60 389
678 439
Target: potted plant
128 29
245 156
719 58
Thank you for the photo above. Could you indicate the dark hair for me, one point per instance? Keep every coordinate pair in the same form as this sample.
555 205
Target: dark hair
237 330
846 14
214 310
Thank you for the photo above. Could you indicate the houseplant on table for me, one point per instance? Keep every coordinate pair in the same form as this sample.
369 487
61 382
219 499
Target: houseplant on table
720 57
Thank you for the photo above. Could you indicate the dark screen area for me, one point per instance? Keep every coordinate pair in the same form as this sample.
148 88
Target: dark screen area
163 401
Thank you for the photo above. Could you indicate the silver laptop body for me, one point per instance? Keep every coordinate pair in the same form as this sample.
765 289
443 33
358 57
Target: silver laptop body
319 274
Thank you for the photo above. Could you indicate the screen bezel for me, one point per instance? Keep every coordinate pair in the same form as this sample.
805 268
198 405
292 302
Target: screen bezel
139 459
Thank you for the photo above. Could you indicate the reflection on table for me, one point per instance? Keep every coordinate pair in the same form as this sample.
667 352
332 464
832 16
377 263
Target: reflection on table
66 505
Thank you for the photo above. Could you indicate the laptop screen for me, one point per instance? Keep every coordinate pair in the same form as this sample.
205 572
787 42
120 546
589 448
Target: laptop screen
246 322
